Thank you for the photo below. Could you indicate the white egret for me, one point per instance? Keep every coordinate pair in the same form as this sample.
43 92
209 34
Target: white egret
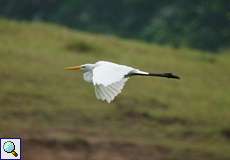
109 78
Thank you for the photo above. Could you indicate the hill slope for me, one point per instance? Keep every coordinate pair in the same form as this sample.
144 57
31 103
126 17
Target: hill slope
54 110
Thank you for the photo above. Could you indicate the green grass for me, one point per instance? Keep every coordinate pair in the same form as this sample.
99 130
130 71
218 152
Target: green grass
191 117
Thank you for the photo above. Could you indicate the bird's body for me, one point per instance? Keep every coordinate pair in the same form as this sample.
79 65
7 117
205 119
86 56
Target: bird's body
109 78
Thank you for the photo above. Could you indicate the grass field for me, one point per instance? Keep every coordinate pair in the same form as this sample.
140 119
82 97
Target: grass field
58 117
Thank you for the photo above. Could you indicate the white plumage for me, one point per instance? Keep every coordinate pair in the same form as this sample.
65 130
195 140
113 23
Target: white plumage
107 73
109 92
109 78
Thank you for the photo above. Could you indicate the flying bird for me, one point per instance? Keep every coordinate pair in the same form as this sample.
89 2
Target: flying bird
109 78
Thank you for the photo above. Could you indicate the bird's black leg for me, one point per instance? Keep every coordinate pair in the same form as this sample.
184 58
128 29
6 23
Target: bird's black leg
166 75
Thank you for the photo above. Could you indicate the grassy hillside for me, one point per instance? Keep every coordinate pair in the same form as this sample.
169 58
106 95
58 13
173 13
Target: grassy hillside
55 111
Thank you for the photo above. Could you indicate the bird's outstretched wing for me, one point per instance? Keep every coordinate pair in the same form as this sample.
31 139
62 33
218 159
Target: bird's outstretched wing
108 93
107 73
109 79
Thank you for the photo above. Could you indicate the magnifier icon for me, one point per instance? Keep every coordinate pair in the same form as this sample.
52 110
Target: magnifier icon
9 147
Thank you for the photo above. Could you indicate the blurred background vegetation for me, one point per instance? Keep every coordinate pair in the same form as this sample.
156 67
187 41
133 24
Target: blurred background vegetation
57 114
197 24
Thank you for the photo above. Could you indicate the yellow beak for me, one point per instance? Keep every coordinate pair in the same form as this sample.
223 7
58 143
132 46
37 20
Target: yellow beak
73 68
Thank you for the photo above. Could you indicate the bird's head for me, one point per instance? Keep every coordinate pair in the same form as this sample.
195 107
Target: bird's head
84 67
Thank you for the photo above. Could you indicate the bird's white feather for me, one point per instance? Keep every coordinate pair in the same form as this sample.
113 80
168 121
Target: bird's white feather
100 93
108 78
107 73
108 93
88 76
108 97
97 93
